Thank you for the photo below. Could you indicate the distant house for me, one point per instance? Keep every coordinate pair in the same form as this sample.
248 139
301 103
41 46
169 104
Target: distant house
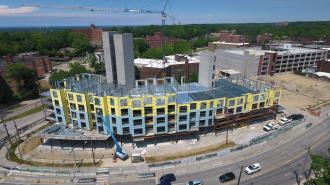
32 60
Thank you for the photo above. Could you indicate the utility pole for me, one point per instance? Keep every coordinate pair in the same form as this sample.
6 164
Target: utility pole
4 124
227 137
304 164
74 157
93 152
17 132
240 174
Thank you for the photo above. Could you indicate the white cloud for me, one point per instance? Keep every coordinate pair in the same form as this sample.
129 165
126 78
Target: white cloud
5 10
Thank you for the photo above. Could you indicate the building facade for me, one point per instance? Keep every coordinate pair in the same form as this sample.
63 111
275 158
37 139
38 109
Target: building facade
289 58
226 36
119 58
93 34
156 106
156 40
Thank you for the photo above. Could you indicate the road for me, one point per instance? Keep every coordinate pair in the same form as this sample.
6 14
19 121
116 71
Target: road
280 163
20 123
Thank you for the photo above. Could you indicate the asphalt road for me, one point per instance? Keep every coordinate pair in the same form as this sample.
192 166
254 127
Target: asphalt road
278 164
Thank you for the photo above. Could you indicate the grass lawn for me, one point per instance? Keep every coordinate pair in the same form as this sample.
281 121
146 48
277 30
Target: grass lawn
190 153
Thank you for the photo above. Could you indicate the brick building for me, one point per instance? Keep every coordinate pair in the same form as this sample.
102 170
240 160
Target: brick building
264 38
324 66
40 64
155 41
226 36
93 34
176 66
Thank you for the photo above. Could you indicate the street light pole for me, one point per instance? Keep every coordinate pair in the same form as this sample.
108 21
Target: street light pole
304 164
240 175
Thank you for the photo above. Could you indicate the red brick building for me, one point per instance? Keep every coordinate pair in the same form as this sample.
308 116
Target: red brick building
324 66
226 36
155 41
264 38
40 64
93 34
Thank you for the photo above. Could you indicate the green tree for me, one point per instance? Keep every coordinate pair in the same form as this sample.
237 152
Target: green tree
57 76
25 80
321 168
182 47
140 46
75 69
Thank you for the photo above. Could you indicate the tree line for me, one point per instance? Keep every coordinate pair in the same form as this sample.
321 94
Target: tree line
47 42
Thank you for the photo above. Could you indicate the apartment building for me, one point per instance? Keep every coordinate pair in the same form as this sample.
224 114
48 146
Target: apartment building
156 40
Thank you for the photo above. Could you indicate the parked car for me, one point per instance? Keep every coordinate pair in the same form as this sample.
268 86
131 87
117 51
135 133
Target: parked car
227 177
168 177
270 126
253 168
284 121
195 182
296 117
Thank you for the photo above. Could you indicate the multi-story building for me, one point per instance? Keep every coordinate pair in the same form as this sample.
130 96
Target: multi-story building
264 38
156 40
175 66
93 34
289 58
226 36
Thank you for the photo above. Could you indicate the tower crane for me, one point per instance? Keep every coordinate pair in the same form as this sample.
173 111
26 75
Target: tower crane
126 10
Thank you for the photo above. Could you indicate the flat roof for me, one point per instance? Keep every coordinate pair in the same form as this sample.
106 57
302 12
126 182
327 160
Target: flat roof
156 63
230 71
231 43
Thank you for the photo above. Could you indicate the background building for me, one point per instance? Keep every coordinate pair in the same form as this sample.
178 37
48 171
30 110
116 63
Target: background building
226 36
206 75
93 34
264 38
156 40
285 58
175 66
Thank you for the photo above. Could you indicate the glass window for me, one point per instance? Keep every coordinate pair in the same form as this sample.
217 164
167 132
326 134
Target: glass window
160 120
193 106
123 102
82 116
171 99
70 97
79 99
183 127
183 109
56 103
112 102
73 114
183 118
137 122
202 114
240 101
255 98
55 94
203 105
136 103
220 103
161 129
138 131
147 100
160 101
81 108
231 103
97 101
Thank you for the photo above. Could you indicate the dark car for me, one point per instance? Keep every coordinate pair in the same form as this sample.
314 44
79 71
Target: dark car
296 116
168 178
227 177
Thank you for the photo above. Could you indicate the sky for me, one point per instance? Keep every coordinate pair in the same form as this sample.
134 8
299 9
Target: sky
19 13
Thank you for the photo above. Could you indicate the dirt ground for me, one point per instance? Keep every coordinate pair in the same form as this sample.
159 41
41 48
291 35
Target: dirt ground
300 91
